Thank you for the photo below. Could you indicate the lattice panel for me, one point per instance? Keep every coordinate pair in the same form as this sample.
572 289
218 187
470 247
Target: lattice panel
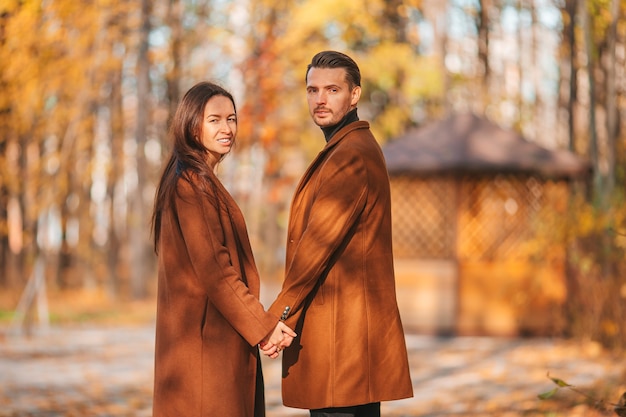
495 216
488 218
551 217
423 216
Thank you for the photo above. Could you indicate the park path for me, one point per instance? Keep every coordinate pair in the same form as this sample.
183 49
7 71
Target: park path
107 371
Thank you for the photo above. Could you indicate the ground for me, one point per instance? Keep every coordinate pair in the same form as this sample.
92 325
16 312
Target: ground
106 370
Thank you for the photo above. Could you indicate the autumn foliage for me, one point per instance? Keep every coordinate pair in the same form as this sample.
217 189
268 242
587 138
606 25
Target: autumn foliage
87 89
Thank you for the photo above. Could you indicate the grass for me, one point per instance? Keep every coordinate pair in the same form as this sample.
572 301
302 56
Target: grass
82 306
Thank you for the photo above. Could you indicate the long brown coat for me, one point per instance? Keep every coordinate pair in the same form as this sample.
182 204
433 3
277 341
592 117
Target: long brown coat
339 281
209 319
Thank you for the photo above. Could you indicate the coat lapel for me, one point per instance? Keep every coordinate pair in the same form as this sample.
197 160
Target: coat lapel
249 273
319 159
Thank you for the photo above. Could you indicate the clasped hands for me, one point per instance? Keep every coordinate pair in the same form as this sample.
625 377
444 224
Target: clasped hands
278 339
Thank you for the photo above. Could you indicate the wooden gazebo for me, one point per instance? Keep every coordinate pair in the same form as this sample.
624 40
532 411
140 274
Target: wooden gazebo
469 200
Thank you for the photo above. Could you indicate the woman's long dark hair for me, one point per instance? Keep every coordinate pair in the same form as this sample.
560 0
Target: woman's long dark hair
189 155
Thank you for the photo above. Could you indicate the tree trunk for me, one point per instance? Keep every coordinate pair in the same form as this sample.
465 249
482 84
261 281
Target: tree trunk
4 227
115 176
521 107
172 78
81 184
29 160
593 131
569 31
483 40
538 106
139 227
611 102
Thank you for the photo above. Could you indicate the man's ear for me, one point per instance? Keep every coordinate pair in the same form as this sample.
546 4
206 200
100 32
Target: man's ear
356 95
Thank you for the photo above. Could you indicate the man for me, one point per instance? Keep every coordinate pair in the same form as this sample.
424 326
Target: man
339 288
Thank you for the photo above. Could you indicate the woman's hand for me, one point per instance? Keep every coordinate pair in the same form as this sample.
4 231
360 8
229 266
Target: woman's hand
278 339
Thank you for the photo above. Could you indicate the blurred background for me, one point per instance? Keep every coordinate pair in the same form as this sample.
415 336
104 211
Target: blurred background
502 122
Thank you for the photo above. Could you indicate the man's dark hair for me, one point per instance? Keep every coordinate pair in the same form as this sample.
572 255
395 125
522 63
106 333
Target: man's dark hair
333 59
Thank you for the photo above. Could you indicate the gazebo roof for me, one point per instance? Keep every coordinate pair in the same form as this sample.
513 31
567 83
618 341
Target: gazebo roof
468 143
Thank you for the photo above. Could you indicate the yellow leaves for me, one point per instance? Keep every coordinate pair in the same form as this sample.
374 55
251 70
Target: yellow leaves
393 71
331 24
586 220
601 17
589 220
28 54
390 123
50 58
313 17
399 65
609 327
398 72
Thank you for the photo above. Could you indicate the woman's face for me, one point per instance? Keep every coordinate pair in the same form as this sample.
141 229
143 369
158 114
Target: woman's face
219 127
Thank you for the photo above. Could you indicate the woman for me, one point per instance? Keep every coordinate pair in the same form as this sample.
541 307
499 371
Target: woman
209 318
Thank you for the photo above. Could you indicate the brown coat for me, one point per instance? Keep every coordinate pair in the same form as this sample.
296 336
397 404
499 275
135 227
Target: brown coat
209 319
339 281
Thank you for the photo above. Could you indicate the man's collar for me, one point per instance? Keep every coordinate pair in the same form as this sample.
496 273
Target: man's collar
329 131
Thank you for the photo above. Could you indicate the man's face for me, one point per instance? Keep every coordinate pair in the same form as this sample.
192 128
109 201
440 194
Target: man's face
329 95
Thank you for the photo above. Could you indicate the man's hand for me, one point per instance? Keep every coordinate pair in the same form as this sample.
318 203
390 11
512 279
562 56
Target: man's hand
278 339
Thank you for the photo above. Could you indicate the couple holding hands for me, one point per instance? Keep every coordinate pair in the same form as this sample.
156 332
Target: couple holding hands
335 319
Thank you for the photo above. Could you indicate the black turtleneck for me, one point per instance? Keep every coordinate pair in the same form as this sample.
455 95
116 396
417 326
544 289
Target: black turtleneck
329 131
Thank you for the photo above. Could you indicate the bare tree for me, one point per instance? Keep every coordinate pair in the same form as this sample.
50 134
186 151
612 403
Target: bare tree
4 191
590 55
482 24
569 37
174 19
611 101
138 225
116 170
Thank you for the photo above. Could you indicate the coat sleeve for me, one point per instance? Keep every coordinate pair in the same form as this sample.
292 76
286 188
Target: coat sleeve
339 198
204 239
